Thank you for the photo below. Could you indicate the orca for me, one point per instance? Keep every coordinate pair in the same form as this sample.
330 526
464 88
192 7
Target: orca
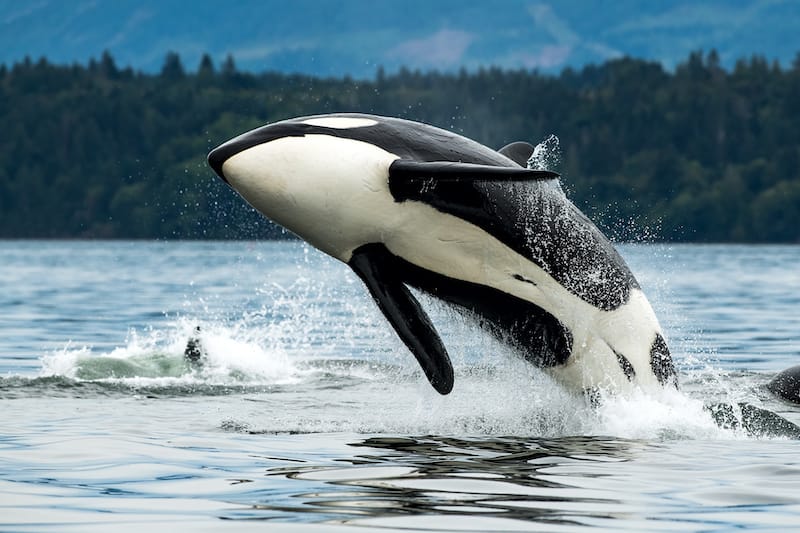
786 385
409 205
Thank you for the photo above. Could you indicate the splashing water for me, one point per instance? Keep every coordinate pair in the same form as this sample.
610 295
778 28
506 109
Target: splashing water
231 355
319 357
308 391
546 155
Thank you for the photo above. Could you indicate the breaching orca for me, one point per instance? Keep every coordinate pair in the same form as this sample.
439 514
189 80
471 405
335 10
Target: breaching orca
406 204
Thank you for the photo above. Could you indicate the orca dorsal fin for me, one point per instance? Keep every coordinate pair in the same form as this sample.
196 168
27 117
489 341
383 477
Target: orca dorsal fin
519 152
375 265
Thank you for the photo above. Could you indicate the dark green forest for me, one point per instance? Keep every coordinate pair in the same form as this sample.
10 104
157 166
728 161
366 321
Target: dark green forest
699 154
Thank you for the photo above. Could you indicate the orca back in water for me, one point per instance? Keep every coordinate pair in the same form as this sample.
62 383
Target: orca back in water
786 385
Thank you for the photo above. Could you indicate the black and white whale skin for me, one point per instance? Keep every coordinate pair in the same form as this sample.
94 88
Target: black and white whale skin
786 385
406 204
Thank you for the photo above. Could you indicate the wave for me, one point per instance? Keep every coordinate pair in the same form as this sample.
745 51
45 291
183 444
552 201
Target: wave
304 386
232 356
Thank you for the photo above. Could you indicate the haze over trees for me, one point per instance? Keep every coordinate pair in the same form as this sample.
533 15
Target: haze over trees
698 154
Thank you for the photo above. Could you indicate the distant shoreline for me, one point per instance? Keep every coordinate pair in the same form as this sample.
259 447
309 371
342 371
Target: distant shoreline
701 154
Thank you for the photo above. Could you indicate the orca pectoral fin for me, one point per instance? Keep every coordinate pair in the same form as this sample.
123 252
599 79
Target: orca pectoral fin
402 171
414 180
373 264
519 152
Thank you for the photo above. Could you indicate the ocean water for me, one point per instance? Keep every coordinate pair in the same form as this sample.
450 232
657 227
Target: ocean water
308 414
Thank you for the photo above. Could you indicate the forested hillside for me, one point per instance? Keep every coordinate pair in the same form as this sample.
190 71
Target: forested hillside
699 154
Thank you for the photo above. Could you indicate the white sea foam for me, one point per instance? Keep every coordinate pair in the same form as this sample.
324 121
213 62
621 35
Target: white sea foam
230 355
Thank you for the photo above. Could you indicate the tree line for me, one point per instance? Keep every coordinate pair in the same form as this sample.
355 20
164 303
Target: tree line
701 153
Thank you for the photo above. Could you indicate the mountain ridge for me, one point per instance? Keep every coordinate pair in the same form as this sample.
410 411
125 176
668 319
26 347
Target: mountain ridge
355 37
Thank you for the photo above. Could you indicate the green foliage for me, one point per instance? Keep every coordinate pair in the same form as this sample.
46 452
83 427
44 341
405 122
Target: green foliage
700 154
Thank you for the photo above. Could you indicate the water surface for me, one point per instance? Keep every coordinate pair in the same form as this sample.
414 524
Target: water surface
310 414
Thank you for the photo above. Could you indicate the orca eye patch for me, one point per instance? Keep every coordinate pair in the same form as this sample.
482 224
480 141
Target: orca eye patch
341 122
